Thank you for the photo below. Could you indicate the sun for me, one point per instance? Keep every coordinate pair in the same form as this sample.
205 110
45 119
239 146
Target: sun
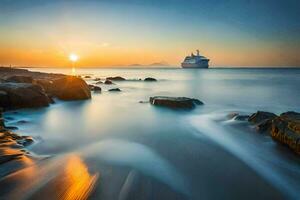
73 57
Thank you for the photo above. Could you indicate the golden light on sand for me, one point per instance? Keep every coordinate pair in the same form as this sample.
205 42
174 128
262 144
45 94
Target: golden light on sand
73 57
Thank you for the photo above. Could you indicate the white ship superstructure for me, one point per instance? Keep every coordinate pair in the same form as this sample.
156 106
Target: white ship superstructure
195 61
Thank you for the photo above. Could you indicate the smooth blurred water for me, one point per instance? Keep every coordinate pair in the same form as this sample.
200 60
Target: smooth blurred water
145 152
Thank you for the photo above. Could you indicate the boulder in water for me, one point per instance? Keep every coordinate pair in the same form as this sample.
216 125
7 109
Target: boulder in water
97 89
108 82
175 102
69 88
286 130
116 78
115 90
150 79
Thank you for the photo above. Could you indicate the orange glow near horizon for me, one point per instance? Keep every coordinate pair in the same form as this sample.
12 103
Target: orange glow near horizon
95 56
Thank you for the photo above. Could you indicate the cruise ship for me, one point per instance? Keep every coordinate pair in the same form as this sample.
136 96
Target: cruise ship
195 61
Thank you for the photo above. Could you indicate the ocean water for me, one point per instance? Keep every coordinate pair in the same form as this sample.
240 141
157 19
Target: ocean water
113 147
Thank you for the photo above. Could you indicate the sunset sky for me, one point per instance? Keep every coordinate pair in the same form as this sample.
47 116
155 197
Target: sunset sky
124 32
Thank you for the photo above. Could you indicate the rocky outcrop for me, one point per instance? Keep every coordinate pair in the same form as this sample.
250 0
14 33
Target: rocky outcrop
175 102
22 95
19 79
115 90
55 85
116 78
150 79
286 130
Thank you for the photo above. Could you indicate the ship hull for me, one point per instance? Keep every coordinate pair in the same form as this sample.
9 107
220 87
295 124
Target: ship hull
195 65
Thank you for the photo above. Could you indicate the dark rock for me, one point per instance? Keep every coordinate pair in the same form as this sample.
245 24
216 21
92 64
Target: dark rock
149 79
97 89
91 87
19 79
22 95
264 126
87 76
97 79
108 82
116 78
286 130
55 85
261 116
115 90
4 98
2 124
175 102
25 140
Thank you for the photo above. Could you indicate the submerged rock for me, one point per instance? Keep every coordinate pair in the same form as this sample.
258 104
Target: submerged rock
116 78
286 130
97 89
150 79
108 82
115 90
175 102
97 79
22 95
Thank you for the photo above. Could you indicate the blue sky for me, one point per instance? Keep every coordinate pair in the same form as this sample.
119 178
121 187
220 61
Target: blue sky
227 31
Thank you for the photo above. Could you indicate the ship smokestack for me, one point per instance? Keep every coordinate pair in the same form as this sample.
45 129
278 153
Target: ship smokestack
198 52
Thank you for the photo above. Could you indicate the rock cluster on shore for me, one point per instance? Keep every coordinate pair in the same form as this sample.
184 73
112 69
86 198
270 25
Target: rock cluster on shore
11 144
20 88
284 128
